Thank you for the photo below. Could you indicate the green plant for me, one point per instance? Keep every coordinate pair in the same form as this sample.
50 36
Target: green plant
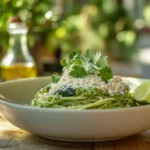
96 24
114 25
30 11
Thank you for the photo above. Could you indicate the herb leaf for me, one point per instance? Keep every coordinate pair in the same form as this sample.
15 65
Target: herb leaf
102 62
55 78
89 56
97 57
106 73
72 57
78 71
75 53
91 63
63 62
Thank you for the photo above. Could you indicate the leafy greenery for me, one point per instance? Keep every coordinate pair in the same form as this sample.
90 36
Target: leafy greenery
106 73
78 71
30 11
42 17
98 63
91 63
55 78
98 25
85 98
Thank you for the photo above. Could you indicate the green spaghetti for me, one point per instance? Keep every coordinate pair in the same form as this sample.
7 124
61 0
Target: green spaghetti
87 82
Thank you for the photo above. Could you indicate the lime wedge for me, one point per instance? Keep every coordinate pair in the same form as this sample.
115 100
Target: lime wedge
142 92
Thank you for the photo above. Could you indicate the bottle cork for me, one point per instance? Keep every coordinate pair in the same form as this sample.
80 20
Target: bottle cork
14 19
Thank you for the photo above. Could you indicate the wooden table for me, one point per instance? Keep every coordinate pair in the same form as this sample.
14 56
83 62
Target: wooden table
13 138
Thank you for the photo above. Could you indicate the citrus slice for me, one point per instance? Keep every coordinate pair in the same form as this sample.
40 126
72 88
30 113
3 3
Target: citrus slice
142 92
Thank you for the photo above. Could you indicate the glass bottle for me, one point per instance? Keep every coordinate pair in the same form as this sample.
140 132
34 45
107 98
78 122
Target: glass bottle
17 63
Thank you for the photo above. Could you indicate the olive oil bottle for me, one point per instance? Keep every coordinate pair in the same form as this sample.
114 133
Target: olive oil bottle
17 63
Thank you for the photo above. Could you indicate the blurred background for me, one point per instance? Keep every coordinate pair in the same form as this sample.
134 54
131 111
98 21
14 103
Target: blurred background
117 28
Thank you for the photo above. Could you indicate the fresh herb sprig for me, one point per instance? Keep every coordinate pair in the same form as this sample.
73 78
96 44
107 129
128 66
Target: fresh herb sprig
54 78
91 63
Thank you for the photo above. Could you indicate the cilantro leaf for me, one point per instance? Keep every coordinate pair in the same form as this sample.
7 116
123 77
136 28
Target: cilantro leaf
78 61
97 57
90 68
55 78
72 57
78 71
74 53
91 63
89 56
102 62
106 73
64 62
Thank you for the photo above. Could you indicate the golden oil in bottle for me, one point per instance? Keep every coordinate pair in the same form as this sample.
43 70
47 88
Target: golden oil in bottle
17 71
18 62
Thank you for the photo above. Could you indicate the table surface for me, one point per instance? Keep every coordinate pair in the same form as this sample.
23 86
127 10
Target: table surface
13 138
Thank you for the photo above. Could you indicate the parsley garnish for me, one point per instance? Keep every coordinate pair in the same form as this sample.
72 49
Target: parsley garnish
106 73
78 71
81 66
74 58
55 78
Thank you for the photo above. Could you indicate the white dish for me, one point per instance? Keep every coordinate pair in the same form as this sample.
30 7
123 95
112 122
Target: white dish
70 125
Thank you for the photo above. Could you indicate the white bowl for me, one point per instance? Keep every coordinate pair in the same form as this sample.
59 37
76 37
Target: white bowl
70 125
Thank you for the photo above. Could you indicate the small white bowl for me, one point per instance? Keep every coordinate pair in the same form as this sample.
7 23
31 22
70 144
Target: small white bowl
69 125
